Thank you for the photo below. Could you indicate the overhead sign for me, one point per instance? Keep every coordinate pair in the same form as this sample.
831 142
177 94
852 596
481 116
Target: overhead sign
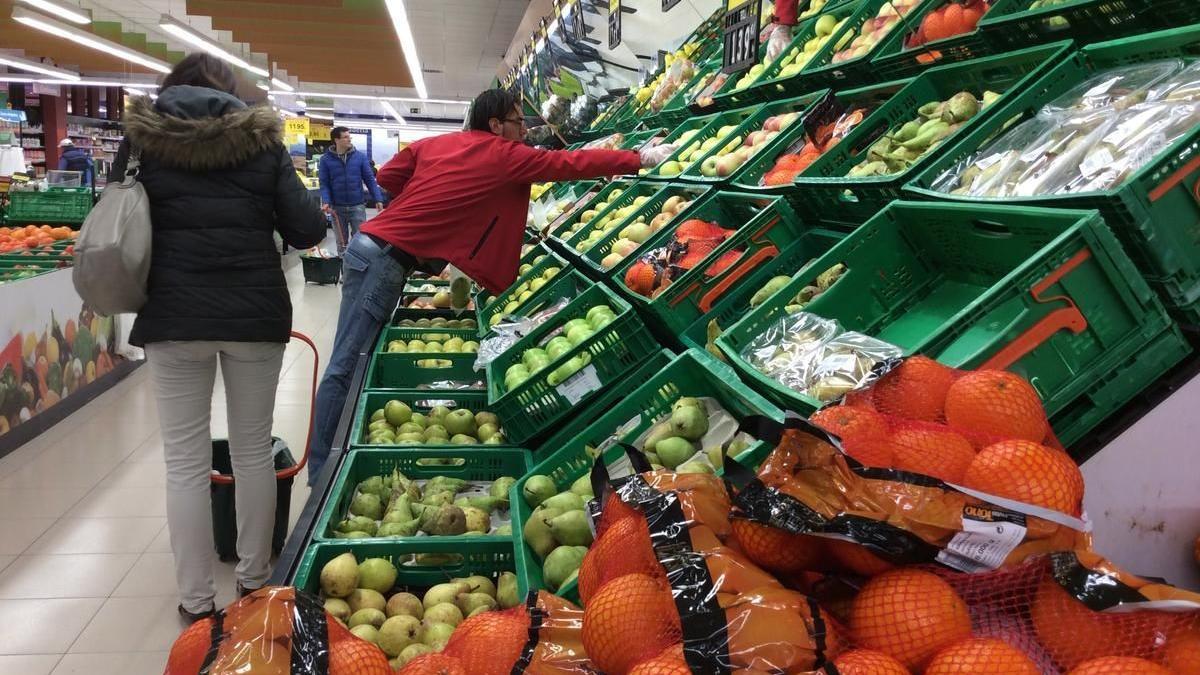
667 5
741 35
614 23
318 132
296 126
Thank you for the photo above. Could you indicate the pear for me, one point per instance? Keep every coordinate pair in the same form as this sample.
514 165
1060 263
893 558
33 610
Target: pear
562 563
377 574
437 497
440 483
370 616
409 653
674 451
338 608
480 584
537 531
445 612
687 402
438 633
487 504
400 510
689 422
404 603
658 433
357 524
504 530
368 505
444 593
583 486
538 489
339 577
501 487
483 417
469 602
365 598
507 593
405 529
366 631
564 501
477 520
445 520
399 632
571 529
693 467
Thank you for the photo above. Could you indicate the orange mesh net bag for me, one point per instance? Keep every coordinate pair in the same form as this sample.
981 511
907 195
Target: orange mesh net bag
276 630
490 643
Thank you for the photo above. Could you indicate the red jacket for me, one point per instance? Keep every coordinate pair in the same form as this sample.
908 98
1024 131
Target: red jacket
463 198
785 12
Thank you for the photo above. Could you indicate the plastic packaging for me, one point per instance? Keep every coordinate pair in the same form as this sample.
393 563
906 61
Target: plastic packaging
610 142
1183 86
1114 89
679 74
1142 132
510 332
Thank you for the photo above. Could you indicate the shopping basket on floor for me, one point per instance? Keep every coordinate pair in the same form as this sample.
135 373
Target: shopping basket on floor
320 268
224 510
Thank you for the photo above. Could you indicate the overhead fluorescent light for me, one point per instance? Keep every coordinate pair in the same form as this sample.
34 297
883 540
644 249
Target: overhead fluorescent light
184 32
312 108
134 91
72 14
301 103
62 30
262 85
316 116
407 44
371 97
391 110
18 79
270 97
280 84
286 113
35 67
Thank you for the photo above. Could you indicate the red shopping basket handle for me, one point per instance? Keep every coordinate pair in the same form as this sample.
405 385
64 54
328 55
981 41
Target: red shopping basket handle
312 411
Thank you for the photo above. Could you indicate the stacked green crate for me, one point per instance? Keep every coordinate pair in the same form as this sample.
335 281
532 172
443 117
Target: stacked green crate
1018 23
597 259
420 565
430 404
898 57
68 206
1046 293
696 137
405 358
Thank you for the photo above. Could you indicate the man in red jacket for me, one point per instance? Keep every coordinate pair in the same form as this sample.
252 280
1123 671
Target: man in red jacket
459 198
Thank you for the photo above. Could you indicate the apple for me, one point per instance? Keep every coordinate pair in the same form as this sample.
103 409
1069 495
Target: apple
670 168
662 219
727 165
709 167
611 260
672 204
623 247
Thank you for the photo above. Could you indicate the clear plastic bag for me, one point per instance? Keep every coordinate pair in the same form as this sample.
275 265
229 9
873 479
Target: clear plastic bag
510 331
610 142
1137 138
1182 86
1115 89
847 362
681 71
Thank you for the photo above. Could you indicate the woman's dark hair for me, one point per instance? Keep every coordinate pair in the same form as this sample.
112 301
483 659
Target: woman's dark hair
491 103
202 70
336 132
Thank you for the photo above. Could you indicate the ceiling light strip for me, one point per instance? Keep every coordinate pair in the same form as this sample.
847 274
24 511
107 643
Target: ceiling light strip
194 38
391 110
407 44
17 79
72 14
280 84
370 97
81 37
34 66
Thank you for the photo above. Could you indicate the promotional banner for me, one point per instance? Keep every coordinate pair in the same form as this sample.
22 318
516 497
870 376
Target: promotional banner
51 345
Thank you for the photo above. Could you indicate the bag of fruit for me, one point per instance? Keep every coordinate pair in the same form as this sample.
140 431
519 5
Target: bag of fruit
274 631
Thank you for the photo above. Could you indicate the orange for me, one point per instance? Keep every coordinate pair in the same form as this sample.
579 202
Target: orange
850 422
998 404
982 655
776 550
357 657
1182 653
932 452
190 649
1027 472
641 277
630 619
490 643
433 664
1072 633
916 390
868 662
669 662
909 615
856 558
1119 665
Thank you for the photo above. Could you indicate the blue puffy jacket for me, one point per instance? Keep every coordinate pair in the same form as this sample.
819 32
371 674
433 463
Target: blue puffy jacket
343 176
77 159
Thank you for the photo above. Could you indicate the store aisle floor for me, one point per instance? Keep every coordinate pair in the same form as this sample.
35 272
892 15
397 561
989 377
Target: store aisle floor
87 584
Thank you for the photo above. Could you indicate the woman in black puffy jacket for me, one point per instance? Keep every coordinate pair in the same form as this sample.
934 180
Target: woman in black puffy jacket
220 184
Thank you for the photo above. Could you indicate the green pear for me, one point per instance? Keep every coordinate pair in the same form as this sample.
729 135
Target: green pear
689 422
538 489
501 487
444 612
377 574
537 531
397 412
339 577
443 593
583 486
507 592
370 615
437 633
687 402
367 505
406 529
479 584
469 602
399 632
562 563
365 598
694 467
338 608
365 631
657 433
477 520
504 530
674 451
446 483
565 501
571 529
404 603
409 653
446 520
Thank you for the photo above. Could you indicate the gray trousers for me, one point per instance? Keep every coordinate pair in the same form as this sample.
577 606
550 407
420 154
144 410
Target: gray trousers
184 373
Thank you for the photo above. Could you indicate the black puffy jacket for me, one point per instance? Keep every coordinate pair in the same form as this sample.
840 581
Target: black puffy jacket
220 184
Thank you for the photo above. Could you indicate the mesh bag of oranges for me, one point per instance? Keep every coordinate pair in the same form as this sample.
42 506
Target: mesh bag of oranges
867 519
274 631
665 593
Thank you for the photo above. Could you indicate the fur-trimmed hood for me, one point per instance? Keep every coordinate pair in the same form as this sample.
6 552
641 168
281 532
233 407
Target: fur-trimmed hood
199 129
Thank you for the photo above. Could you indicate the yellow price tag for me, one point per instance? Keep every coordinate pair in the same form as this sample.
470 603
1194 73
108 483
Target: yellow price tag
295 126
318 132
734 4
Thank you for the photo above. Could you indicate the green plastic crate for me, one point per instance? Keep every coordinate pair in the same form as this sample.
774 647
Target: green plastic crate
622 194
706 128
474 464
590 261
559 228
825 192
735 302
566 285
420 401
675 111
535 405
402 370
1048 294
693 373
1154 213
749 177
487 309
1114 388
68 206
893 61
765 225
799 104
1012 24
413 314
487 557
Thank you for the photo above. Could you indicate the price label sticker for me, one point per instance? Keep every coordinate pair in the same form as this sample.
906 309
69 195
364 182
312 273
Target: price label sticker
987 537
614 23
1096 162
576 387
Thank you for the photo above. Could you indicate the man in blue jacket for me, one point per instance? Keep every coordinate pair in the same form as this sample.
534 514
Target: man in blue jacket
76 159
343 173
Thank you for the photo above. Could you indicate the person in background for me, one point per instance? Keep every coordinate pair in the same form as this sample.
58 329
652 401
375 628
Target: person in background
459 198
76 159
220 184
781 28
343 173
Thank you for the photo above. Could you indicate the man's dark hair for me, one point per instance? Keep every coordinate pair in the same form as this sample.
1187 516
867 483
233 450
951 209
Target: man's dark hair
491 103
202 70
336 132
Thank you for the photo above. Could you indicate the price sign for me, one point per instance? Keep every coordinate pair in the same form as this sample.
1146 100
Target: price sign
667 5
741 35
578 27
318 132
614 23
296 126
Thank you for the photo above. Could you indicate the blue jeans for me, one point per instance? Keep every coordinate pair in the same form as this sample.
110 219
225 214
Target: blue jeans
371 285
351 217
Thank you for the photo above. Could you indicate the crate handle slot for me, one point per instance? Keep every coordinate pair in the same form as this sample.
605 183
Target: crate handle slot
1175 179
735 275
992 228
1064 318
440 461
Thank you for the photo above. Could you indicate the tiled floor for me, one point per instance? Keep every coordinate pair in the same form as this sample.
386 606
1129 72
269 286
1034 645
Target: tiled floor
87 584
